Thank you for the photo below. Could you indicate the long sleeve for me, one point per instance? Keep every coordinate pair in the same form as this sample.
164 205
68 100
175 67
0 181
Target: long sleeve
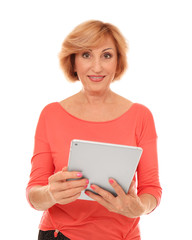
41 163
148 171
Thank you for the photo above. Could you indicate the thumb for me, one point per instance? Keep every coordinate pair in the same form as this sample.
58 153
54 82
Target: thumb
132 189
64 169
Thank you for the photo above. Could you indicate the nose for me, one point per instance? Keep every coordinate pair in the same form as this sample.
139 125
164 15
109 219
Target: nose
97 65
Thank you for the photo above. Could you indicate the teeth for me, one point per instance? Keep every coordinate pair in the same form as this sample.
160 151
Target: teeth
96 77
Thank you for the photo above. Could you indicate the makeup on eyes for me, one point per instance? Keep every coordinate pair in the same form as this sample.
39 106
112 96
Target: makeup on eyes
85 55
107 55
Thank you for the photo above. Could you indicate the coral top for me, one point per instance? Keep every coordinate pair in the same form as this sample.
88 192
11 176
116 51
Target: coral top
82 219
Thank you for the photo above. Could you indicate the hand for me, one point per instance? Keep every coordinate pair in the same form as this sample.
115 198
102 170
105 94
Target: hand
63 191
128 204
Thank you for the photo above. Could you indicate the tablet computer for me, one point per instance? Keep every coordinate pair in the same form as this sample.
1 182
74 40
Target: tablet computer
100 161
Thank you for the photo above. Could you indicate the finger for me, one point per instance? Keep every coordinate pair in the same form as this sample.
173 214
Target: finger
59 190
69 200
132 189
100 200
107 196
118 189
69 193
64 169
75 184
64 175
72 175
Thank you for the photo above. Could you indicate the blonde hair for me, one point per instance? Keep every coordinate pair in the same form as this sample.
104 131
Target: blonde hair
89 35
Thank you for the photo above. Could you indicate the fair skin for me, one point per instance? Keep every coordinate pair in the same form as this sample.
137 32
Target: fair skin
96 69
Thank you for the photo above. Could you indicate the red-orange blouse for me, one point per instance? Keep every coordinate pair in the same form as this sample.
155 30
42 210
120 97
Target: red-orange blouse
77 220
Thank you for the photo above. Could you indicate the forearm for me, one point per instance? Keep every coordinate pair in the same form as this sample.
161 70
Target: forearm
40 198
149 203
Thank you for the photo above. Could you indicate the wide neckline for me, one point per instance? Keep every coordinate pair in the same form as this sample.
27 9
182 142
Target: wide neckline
97 122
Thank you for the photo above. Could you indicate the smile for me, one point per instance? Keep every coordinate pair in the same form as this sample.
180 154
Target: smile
96 78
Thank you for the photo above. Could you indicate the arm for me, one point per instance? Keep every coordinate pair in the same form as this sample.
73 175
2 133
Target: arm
149 202
40 198
45 187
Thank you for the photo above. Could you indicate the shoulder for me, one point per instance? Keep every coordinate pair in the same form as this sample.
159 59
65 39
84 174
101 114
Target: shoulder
144 118
146 130
142 110
139 110
50 109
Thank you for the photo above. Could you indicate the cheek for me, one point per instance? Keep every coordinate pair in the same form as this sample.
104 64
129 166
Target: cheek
111 68
81 68
78 64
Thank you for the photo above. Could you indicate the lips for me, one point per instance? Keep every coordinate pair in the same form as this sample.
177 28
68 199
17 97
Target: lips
96 78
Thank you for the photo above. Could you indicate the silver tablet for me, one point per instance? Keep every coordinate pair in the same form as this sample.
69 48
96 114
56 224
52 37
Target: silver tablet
100 161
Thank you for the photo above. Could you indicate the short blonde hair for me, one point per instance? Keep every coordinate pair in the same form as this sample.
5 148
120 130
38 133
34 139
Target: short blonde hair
89 35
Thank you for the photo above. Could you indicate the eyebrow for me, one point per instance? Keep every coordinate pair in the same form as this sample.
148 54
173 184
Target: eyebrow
103 49
106 49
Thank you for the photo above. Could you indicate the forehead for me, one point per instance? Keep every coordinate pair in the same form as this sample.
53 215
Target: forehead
105 43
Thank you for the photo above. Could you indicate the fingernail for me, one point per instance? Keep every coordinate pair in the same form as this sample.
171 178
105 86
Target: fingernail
111 181
86 186
87 193
79 174
87 181
92 187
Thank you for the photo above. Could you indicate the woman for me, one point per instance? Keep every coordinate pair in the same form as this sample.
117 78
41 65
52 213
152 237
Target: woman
94 53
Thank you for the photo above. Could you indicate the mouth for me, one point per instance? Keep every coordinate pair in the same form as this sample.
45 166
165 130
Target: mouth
96 78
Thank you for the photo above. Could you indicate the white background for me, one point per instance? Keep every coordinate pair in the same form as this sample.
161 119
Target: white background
159 76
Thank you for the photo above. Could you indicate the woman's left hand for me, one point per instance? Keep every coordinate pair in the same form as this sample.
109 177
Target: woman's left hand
128 204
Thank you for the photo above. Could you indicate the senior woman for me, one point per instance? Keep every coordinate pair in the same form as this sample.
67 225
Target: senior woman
94 53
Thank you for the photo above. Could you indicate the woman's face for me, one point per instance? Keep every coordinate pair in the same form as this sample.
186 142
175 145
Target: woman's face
96 67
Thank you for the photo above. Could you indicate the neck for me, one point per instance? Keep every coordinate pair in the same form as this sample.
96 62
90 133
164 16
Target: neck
96 98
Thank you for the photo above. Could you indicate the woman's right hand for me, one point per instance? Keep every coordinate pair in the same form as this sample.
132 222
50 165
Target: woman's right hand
62 191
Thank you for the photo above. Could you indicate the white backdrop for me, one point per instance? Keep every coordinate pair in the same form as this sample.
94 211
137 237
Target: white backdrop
159 76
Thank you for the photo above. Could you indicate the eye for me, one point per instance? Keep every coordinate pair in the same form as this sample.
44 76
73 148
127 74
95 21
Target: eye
107 55
86 55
